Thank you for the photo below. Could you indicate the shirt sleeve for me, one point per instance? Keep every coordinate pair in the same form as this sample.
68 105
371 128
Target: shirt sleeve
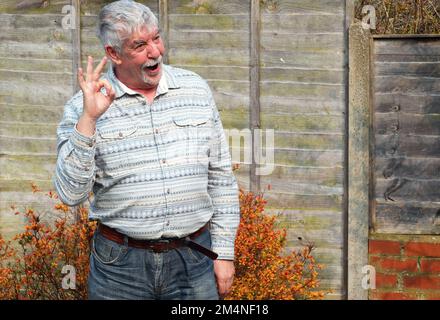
223 190
75 167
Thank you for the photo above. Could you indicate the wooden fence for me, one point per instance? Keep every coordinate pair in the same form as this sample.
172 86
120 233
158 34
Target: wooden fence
278 65
405 105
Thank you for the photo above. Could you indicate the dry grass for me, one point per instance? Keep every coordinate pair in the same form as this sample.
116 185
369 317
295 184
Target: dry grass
403 16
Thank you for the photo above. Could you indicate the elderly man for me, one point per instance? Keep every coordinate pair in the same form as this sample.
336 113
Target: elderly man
147 139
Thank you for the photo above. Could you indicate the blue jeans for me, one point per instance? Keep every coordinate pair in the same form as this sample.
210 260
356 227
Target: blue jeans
125 273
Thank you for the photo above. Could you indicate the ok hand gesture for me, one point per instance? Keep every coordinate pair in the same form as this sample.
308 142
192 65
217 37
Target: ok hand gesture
95 102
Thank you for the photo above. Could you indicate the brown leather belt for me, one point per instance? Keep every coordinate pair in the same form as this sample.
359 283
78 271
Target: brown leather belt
160 245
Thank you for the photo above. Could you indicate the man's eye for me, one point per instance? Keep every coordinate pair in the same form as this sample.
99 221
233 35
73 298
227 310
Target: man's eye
157 37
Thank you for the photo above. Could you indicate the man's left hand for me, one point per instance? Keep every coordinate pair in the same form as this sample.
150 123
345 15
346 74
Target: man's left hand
224 273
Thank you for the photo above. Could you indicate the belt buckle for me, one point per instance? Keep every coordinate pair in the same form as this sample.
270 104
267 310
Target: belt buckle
160 243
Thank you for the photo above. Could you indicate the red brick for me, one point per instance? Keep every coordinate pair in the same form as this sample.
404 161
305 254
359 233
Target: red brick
432 296
386 280
398 296
432 266
388 264
421 249
422 282
383 247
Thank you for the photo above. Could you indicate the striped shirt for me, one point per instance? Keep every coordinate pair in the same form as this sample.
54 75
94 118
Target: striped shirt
158 170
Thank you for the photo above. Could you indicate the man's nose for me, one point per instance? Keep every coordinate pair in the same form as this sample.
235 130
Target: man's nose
153 51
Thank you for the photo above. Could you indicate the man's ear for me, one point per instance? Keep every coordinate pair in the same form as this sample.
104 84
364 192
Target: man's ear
113 55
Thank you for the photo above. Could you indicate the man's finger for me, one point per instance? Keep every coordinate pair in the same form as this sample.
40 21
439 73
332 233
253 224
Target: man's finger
99 68
224 287
108 88
89 69
81 80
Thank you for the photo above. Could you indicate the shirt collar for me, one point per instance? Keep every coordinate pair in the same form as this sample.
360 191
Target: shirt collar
167 81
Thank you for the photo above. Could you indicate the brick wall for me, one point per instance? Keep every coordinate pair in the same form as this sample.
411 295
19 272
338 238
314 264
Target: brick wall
407 267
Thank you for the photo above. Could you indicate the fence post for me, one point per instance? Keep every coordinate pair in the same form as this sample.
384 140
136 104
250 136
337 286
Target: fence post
255 90
358 160
164 26
76 45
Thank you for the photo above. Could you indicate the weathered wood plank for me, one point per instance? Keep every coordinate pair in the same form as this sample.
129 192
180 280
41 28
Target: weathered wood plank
407 58
303 58
301 90
30 113
308 187
329 177
405 123
321 141
299 201
29 129
412 69
35 77
292 105
36 35
407 103
195 56
313 43
10 144
302 75
32 6
92 7
303 123
211 22
422 47
36 65
33 94
397 84
219 72
403 216
407 146
206 40
17 185
208 7
305 7
405 189
297 23
27 167
15 21
308 157
413 168
29 50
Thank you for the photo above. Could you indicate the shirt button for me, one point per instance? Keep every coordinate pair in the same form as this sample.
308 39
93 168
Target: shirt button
144 103
157 131
168 223
120 134
168 190
163 161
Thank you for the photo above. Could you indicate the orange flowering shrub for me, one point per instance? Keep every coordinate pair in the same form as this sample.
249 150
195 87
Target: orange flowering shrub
31 265
262 271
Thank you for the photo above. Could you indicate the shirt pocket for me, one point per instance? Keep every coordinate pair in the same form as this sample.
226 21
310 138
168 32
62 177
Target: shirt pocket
116 149
193 135
110 134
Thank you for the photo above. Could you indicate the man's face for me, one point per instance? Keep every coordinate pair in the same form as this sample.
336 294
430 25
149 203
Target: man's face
141 59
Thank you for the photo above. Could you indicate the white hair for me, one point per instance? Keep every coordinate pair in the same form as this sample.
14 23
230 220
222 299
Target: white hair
119 19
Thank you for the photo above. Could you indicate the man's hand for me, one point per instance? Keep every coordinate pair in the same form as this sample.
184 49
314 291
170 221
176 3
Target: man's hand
95 102
224 272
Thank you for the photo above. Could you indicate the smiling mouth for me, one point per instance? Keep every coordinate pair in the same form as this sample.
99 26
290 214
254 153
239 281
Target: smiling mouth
154 67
